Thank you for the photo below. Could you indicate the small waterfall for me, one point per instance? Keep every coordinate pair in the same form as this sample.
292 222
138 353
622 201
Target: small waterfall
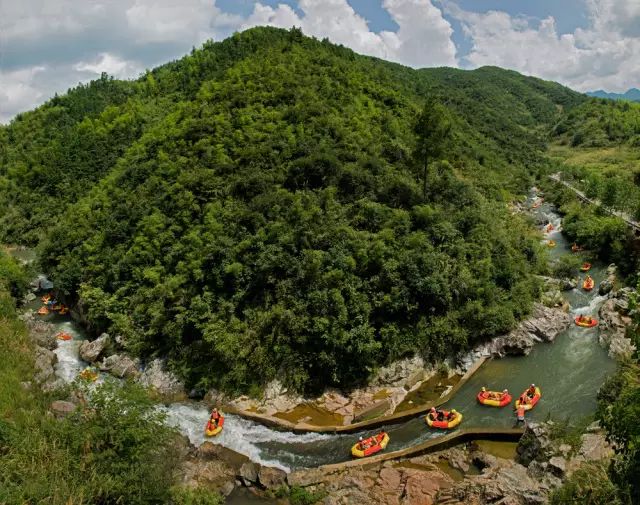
68 352
239 434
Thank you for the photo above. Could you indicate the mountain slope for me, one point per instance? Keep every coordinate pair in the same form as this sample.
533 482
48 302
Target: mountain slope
632 95
268 219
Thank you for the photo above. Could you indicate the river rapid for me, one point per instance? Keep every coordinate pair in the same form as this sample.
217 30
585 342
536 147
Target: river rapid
569 372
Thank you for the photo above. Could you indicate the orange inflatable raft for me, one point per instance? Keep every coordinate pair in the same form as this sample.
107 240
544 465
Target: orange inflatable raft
452 419
63 336
371 445
585 267
586 322
43 311
588 284
212 429
531 401
494 398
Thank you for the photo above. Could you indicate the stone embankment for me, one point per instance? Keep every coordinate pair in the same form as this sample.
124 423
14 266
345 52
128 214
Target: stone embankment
391 384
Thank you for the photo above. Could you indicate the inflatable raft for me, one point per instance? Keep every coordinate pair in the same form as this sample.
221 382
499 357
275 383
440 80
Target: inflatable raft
551 243
588 284
43 311
63 336
494 398
532 401
212 429
373 445
576 248
586 323
88 374
447 424
585 267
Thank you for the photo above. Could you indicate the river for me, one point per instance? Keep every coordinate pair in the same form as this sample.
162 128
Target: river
569 372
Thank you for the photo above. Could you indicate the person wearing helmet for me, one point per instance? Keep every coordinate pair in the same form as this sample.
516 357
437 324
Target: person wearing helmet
433 413
483 389
531 392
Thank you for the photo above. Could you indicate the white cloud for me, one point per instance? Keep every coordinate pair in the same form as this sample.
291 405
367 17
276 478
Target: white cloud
604 55
48 45
112 65
17 91
423 38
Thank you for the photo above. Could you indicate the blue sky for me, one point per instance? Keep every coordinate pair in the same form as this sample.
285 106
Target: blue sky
48 46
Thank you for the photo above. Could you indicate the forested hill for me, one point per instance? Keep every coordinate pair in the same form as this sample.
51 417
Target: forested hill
276 206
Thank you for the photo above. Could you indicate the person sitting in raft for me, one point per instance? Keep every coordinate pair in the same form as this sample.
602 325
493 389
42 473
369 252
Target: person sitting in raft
215 417
584 319
531 392
524 399
438 415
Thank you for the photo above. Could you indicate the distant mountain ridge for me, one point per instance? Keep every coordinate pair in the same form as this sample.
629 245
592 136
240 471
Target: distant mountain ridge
633 94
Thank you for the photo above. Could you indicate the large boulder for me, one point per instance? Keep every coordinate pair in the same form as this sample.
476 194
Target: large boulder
613 330
121 366
605 287
248 473
271 478
165 383
544 325
45 359
91 351
594 447
398 372
557 466
61 408
535 443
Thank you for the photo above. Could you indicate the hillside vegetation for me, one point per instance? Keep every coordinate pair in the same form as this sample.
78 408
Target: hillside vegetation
276 206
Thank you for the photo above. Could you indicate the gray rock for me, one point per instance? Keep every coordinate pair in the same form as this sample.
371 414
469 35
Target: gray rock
120 365
536 469
227 488
594 447
270 478
544 325
567 284
483 460
162 381
45 359
29 297
534 443
62 408
564 449
612 270
248 473
605 287
91 351
613 330
558 466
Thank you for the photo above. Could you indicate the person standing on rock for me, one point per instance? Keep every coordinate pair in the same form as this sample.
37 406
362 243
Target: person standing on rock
520 414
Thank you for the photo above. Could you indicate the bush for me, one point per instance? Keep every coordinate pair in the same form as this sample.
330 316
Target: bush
195 496
590 485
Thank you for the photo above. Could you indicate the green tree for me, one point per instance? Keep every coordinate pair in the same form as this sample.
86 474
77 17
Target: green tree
433 131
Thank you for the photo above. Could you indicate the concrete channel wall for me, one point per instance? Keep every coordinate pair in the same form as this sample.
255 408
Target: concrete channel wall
276 422
317 475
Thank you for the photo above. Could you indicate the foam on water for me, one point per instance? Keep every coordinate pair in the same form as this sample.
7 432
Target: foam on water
68 352
240 435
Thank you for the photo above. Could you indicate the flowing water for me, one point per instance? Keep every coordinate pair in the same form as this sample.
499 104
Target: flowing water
569 372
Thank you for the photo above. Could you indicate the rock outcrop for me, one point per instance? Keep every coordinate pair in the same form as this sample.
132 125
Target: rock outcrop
544 325
121 366
41 332
44 362
163 382
92 351
61 408
613 329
